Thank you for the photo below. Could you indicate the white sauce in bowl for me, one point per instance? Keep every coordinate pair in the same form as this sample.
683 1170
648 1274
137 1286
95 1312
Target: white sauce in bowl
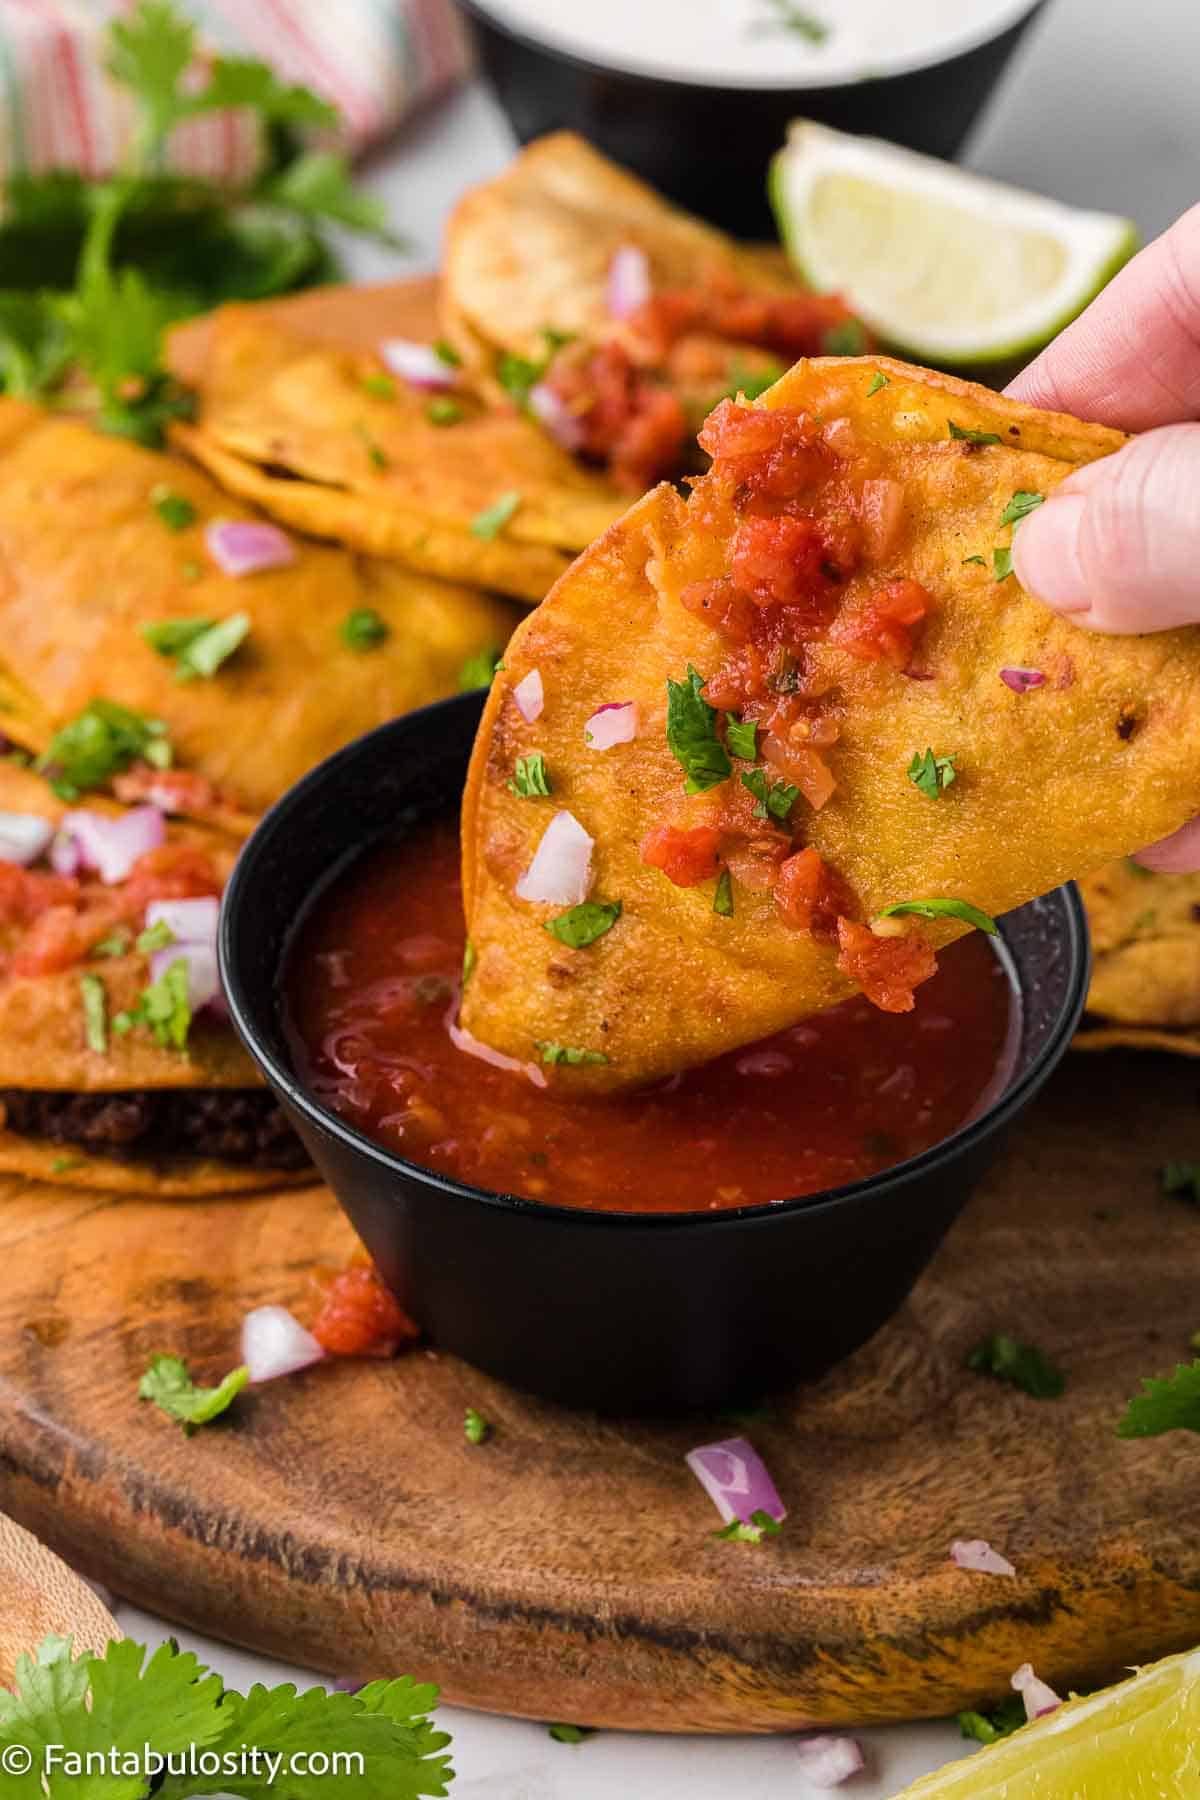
747 43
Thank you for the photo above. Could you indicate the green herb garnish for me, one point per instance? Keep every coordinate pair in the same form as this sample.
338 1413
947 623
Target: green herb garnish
441 410
519 375
742 737
102 741
489 523
1024 1365
118 943
376 456
584 923
446 353
1000 1722
470 958
570 1734
554 1054
692 735
479 669
172 1389
981 560
198 647
363 629
878 380
773 800
966 436
790 17
939 908
1169 1404
1002 561
750 384
175 510
847 339
529 778
723 898
62 1165
380 387
476 1427
1181 1178
753 1530
1020 507
163 1008
932 774
95 1013
158 936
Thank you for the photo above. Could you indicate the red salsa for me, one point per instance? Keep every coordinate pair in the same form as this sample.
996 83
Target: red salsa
374 983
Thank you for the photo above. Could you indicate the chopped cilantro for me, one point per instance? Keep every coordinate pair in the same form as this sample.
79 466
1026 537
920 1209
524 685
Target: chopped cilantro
1170 1404
197 646
381 387
529 779
104 739
570 1734
478 670
773 800
175 510
753 1530
692 735
172 1389
519 375
751 384
62 1165
554 1054
1001 1721
171 636
376 456
584 923
981 560
1020 506
742 737
476 1427
470 958
847 339
1182 1178
163 1008
932 774
878 380
95 1013
967 436
363 629
446 353
723 898
939 908
442 410
118 943
1024 1365
1002 561
155 937
489 523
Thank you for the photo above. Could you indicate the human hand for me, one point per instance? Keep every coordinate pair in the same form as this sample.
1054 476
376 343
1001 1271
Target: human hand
1116 547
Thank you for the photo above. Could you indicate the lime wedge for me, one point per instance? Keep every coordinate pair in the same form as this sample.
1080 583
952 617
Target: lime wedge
1139 1738
946 266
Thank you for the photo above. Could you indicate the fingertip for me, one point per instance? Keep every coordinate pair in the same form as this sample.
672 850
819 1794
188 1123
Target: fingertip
1047 558
1178 854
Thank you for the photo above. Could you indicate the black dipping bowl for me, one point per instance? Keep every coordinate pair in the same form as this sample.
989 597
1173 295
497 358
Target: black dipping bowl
624 1312
708 146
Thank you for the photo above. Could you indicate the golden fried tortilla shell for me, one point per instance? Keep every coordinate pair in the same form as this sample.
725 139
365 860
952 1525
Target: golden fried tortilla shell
187 1178
1145 986
532 248
85 563
1102 758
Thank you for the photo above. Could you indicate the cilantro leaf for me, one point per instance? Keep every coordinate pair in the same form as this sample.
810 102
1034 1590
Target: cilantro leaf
990 1727
163 1008
1002 561
554 1054
519 375
158 936
939 908
489 523
584 923
878 380
1023 502
968 436
932 774
380 386
470 958
445 352
102 741
442 410
981 560
1169 1404
1024 1365
773 800
570 1734
175 510
692 735
35 345
529 778
150 52
95 1013
742 737
478 670
241 81
319 185
751 384
1182 1178
790 17
363 629
749 1531
198 646
475 1427
118 943
173 1391
723 898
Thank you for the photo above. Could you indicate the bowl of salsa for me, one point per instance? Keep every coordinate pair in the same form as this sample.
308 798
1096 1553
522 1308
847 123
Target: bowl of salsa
693 1244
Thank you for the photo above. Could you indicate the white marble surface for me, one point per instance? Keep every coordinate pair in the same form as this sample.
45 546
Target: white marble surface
1100 109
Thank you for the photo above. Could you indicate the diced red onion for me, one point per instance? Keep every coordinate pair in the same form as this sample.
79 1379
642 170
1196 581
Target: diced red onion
530 696
1021 680
764 1062
204 984
110 844
735 1478
24 837
418 364
471 1046
613 723
827 1760
248 546
561 871
564 426
977 1555
629 284
189 921
1039 1699
275 1343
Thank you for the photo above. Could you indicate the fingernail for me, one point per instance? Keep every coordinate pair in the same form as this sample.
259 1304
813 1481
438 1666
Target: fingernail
1046 554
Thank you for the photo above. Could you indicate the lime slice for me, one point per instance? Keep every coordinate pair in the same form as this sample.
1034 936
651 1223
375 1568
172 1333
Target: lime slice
1140 1738
949 267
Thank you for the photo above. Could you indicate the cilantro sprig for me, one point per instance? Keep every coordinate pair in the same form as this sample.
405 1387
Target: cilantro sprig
772 799
1169 1404
1000 1722
197 647
692 735
932 774
1022 1365
169 1385
555 1054
98 744
584 923
163 1008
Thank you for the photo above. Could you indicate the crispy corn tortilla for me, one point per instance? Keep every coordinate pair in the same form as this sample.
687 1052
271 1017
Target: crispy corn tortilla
295 427
1051 783
531 249
85 562
185 1178
1145 988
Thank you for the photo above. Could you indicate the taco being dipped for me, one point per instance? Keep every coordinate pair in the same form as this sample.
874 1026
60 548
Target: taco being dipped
118 1067
787 738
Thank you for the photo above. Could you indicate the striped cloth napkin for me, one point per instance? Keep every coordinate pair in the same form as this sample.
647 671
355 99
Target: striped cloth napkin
374 59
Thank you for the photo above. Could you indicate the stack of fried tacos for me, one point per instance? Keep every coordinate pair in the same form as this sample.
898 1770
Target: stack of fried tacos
1145 990
113 567
118 1069
786 738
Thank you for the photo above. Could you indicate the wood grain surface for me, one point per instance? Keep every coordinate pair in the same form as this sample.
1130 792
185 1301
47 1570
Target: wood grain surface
565 1570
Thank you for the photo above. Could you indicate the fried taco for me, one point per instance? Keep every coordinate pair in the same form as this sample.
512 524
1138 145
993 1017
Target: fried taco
118 1067
144 611
785 739
1145 991
569 279
332 442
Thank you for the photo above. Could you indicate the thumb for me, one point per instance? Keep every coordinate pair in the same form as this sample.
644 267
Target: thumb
1117 545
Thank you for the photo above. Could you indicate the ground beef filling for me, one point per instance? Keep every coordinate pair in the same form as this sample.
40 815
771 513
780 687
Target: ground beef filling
233 1125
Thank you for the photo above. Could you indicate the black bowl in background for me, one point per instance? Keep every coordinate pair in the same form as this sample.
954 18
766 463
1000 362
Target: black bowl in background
628 1313
709 147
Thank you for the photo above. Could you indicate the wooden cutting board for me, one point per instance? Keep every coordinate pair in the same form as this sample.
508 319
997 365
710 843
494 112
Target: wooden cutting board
566 1570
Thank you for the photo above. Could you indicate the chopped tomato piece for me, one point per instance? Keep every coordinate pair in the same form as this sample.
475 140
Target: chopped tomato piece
793 324
25 894
780 561
651 444
883 630
63 935
721 605
625 417
359 1316
811 895
741 677
172 790
887 969
773 453
685 856
172 872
